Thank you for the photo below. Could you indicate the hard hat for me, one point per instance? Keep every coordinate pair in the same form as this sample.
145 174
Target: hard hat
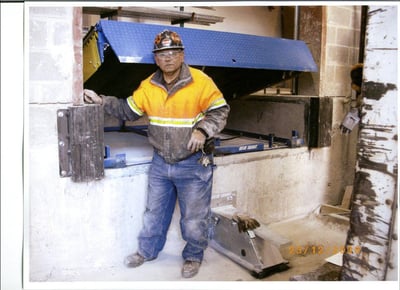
167 40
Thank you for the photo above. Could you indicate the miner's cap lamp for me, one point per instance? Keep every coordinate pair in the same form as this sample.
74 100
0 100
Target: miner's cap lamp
167 39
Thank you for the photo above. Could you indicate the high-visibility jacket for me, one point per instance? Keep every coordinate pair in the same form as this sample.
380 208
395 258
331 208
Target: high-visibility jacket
194 101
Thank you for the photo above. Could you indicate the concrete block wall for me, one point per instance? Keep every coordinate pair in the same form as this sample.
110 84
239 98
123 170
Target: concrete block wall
333 34
67 224
49 89
342 48
53 61
341 52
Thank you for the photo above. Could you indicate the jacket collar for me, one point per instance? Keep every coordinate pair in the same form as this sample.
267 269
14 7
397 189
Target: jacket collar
185 77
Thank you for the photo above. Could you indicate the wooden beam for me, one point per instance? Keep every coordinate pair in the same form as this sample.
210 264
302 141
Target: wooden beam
346 200
154 13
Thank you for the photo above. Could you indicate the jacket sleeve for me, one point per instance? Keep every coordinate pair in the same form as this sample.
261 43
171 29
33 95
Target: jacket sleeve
214 120
119 108
215 108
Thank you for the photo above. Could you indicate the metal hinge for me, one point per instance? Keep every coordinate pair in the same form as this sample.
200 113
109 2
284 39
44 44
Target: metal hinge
64 151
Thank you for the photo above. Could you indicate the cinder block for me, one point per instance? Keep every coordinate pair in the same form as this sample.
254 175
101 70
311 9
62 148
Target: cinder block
339 16
61 33
331 35
342 79
337 55
346 37
52 12
355 17
38 34
50 92
42 126
47 66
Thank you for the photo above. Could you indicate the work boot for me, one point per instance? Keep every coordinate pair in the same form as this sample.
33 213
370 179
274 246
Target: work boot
190 269
134 260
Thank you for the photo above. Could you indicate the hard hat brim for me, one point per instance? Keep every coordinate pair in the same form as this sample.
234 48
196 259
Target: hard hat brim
169 48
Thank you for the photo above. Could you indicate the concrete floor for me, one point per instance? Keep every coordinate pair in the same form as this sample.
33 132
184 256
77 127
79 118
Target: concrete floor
314 231
324 234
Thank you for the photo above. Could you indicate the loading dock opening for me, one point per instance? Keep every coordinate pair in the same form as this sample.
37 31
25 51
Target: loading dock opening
117 56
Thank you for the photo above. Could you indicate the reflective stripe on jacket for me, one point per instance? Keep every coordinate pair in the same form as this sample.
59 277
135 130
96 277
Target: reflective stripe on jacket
193 102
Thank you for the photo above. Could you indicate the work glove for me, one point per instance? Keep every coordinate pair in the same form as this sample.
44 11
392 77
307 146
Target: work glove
245 223
91 97
196 141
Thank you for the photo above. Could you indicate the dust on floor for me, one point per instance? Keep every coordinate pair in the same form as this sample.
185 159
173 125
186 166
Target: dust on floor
313 239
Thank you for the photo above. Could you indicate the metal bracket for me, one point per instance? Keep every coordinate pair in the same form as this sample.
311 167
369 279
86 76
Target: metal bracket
64 149
260 255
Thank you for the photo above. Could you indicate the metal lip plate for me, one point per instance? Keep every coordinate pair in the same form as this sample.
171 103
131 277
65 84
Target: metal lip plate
133 43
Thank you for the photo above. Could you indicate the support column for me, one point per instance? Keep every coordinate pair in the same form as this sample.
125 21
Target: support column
372 242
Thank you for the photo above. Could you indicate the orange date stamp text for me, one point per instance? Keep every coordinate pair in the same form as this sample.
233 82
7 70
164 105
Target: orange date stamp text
304 250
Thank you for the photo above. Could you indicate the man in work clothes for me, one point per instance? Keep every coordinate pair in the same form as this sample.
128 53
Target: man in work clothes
184 108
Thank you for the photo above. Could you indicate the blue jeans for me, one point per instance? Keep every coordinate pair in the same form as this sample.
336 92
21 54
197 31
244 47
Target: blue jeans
190 183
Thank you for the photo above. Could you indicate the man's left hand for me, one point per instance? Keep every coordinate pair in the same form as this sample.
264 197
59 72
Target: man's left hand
197 141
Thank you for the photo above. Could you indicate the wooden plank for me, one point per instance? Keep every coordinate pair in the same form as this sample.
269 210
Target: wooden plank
346 200
329 209
87 142
340 216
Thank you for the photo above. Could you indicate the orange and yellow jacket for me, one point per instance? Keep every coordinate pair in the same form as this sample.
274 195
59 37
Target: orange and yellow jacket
194 101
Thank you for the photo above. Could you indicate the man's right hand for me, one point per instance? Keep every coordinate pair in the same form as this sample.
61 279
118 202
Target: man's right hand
91 97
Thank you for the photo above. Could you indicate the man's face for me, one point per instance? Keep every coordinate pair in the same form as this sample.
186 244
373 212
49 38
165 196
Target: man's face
169 61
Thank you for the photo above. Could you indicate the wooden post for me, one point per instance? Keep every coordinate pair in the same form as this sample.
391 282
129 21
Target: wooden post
374 207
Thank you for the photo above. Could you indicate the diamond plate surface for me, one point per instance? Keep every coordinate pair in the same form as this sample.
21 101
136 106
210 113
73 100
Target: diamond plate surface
133 43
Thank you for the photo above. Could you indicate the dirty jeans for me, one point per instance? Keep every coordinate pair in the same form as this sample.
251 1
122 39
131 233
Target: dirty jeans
190 183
